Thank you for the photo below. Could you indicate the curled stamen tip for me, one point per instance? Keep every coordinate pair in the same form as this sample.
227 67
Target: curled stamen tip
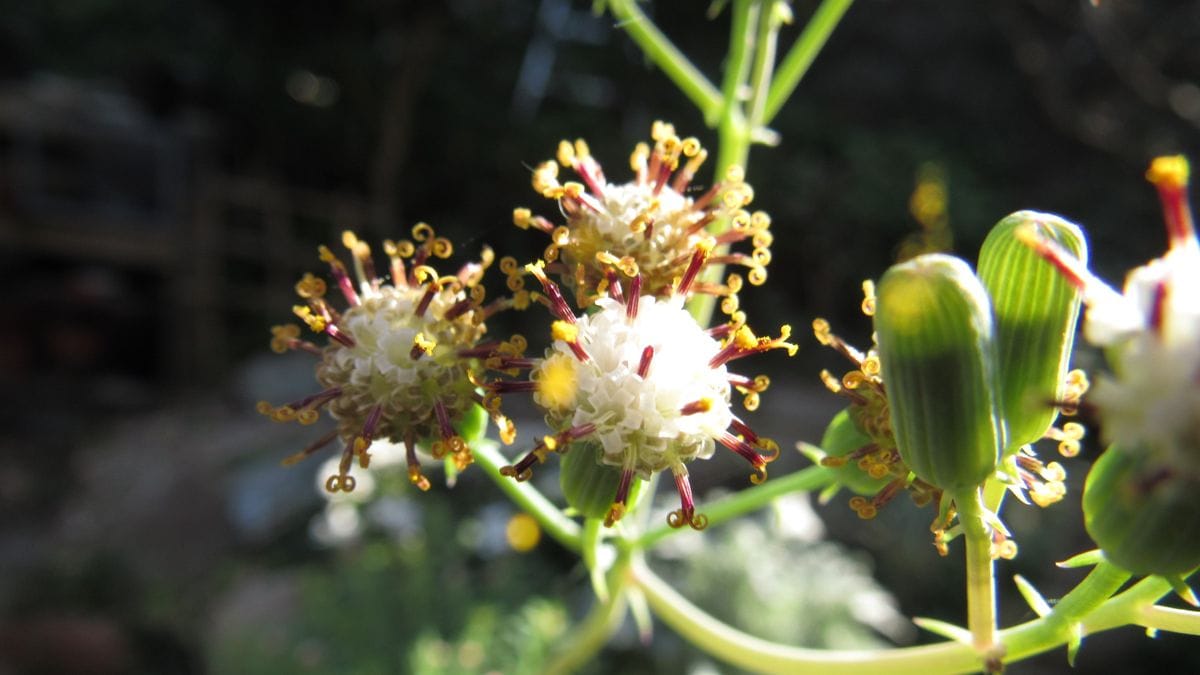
509 471
759 475
770 448
698 522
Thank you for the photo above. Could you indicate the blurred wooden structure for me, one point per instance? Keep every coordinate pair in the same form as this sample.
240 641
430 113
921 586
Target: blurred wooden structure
88 180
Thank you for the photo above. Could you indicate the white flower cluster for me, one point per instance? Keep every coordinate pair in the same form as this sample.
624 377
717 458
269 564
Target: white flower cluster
647 423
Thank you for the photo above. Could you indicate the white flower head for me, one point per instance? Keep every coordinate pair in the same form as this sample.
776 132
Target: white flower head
402 356
640 377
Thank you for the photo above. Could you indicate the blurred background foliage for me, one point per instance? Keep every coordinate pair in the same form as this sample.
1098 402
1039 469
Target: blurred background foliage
166 170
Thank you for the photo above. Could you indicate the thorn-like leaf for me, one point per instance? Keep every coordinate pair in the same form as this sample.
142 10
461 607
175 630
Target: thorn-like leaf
1032 597
1086 559
947 630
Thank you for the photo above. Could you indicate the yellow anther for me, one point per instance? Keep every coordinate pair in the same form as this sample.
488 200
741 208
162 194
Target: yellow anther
735 174
1006 549
757 276
507 430
761 382
307 416
264 408
877 471
734 282
833 462
637 159
562 330
615 513
561 236
761 257
326 255
1169 171
871 366
566 154
868 511
691 146
415 477
1073 431
740 219
581 149
518 343
730 304
853 379
550 442
573 189
522 217
305 314
310 286
763 239
424 343
760 220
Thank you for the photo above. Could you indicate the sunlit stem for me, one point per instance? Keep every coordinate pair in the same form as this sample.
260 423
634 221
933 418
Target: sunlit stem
659 49
746 501
802 54
564 530
981 576
602 620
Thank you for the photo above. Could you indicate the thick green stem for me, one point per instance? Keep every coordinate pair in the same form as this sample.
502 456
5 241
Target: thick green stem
764 62
659 49
746 501
550 517
802 54
1134 606
981 576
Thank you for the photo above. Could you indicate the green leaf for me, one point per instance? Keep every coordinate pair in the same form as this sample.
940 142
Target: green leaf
1035 310
933 321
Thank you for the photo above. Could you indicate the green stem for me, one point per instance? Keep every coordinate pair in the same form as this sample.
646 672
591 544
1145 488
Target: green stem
981 577
593 632
550 517
802 54
745 501
764 61
659 49
1183 621
1134 606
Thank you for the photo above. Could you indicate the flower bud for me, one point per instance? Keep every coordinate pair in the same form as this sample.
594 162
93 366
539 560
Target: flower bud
1035 309
1143 514
933 322
848 454
590 486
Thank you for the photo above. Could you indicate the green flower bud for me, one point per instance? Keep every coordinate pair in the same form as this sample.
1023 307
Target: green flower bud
841 443
1144 515
1035 309
590 487
933 322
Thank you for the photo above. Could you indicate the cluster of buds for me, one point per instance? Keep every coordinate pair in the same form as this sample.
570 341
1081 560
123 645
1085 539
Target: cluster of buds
402 356
1140 500
967 372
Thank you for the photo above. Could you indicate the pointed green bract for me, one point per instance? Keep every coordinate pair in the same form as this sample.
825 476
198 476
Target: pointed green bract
841 438
934 327
1143 514
1035 310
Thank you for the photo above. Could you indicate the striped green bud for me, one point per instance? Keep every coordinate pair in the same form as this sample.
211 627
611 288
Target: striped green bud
933 322
1143 514
1035 309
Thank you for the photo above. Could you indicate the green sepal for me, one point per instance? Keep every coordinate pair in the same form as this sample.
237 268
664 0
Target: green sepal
1086 559
590 486
933 322
473 424
1144 515
1035 310
841 438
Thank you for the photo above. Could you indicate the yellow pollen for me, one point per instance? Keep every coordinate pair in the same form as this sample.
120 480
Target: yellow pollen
581 149
522 533
310 286
1170 171
637 159
566 154
567 332
557 382
305 314
522 217
424 343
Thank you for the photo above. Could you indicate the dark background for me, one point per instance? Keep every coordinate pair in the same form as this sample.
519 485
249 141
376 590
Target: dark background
166 170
